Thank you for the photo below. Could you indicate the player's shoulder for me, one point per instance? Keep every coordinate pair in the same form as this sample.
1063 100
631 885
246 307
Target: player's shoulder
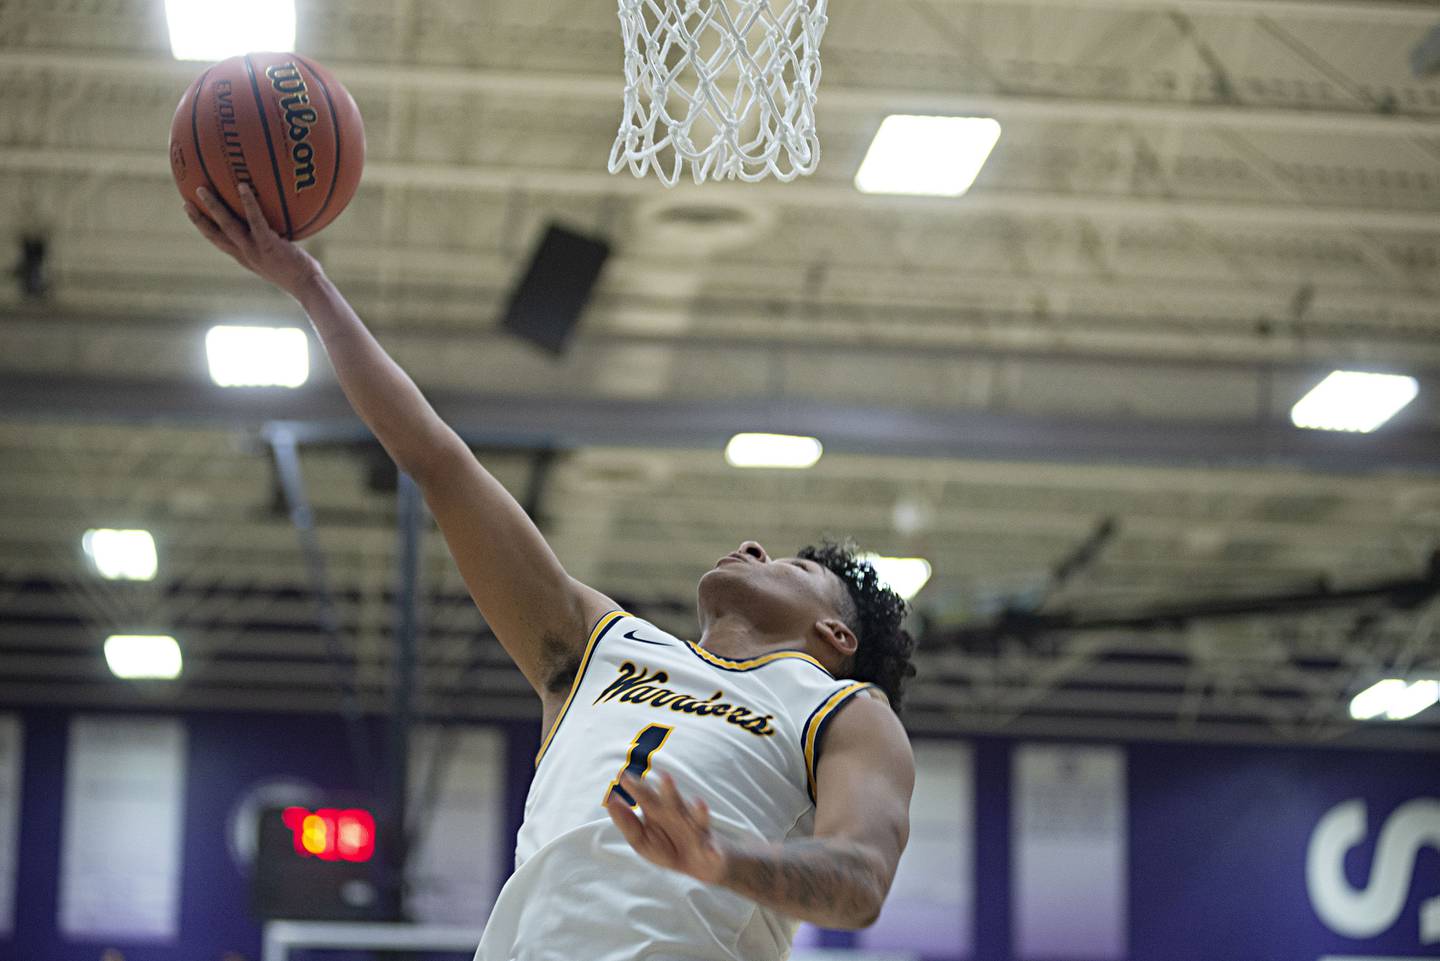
870 710
849 707
866 724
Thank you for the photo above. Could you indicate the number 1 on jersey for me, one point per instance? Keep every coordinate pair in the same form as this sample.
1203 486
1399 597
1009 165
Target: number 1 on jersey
646 743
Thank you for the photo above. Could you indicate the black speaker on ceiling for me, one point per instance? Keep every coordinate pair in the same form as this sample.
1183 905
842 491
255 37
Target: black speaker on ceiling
1425 56
547 303
33 268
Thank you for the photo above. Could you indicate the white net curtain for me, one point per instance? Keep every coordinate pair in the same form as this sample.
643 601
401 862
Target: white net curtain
726 87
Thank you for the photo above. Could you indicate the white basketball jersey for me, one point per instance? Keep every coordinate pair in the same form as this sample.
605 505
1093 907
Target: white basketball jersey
741 734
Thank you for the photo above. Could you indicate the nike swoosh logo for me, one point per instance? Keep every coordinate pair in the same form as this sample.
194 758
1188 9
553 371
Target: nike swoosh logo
631 636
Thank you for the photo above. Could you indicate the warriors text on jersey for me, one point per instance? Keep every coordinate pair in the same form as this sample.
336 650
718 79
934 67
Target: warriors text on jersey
744 735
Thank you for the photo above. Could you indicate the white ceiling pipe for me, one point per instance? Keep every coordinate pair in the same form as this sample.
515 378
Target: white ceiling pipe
813 195
931 287
608 88
1379 12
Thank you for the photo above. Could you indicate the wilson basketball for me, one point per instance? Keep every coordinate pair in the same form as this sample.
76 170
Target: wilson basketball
279 122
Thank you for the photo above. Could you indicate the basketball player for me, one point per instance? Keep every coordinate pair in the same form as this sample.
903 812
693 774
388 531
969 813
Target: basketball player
690 801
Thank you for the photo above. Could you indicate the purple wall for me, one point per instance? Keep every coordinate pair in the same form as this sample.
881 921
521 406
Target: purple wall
1218 840
229 754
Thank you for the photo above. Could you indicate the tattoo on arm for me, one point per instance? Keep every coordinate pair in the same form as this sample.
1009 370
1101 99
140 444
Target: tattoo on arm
832 883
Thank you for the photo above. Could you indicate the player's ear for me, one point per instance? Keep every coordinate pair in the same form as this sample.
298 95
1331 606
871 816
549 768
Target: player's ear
834 633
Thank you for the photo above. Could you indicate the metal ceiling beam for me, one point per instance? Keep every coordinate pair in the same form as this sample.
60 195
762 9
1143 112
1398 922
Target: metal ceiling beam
1365 499
256 546
929 720
933 344
307 677
609 88
814 195
1395 594
402 666
936 681
930 283
1388 737
71 651
1015 338
1392 12
539 422
292 483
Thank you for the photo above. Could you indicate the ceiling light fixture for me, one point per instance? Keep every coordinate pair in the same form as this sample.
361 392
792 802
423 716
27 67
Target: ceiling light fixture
927 156
258 356
903 575
215 29
1354 401
122 555
1394 699
773 450
143 656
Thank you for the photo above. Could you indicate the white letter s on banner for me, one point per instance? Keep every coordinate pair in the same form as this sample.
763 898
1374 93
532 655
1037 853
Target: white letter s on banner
1374 909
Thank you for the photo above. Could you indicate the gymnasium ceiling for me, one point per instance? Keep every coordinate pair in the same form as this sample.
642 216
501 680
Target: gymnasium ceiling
1195 211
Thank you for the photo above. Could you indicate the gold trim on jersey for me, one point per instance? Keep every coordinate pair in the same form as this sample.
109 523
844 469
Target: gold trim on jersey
815 726
601 627
754 662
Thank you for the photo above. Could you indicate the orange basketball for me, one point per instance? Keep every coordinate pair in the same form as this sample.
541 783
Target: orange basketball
278 122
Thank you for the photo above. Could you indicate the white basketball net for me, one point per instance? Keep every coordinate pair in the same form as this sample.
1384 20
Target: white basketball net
727 86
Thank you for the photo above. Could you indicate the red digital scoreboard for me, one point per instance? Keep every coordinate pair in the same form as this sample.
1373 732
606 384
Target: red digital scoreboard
317 864
332 834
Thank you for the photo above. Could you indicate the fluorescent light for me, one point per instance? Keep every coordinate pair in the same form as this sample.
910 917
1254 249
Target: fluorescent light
1353 401
134 656
122 555
772 450
1376 699
1395 699
933 156
903 575
1414 699
217 29
258 356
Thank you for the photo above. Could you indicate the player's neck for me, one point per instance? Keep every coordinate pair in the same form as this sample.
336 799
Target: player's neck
734 637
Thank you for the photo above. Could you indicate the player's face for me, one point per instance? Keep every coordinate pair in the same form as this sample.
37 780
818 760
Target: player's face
780 596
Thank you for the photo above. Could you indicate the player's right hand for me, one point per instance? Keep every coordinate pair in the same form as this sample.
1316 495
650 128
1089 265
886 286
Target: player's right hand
253 243
673 833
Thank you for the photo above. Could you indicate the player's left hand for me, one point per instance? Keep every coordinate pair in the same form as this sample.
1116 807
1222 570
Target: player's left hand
252 241
673 833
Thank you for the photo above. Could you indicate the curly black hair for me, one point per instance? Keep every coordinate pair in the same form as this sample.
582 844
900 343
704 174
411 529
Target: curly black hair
874 613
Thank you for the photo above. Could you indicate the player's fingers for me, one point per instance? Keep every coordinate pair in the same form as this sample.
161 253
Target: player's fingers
683 811
677 805
671 794
660 844
259 226
232 228
700 812
654 807
663 847
207 227
626 821
643 793
648 839
666 819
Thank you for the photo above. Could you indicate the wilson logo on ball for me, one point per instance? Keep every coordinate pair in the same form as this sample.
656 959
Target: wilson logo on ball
285 78
281 124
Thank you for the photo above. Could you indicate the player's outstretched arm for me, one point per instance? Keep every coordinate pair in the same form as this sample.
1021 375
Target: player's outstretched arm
538 612
838 878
